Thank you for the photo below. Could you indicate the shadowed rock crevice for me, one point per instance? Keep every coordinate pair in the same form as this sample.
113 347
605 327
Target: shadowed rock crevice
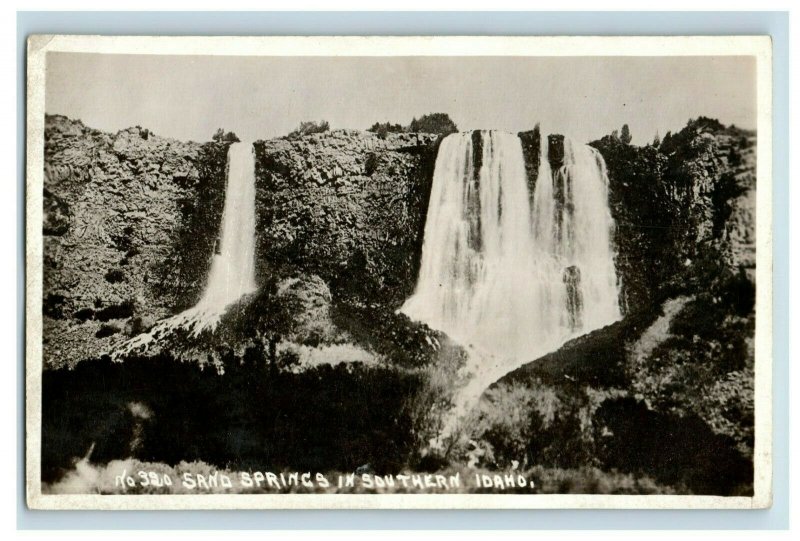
531 152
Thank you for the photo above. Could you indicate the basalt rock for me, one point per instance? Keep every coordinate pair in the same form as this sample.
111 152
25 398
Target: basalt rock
348 206
531 144
129 227
681 207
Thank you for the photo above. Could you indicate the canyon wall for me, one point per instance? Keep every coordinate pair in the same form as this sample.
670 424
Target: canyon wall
127 236
346 205
682 207
126 232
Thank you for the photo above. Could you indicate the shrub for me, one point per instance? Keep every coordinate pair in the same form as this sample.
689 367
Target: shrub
371 164
84 314
54 305
115 311
385 128
221 136
124 242
625 136
107 329
531 423
308 128
433 123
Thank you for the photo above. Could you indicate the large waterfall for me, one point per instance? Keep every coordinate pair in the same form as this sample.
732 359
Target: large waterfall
232 273
509 276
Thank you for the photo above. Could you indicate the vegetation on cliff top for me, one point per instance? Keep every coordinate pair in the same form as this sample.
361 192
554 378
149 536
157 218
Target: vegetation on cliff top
438 123
309 128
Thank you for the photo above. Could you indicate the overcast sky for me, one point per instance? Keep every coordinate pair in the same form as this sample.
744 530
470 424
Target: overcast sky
189 97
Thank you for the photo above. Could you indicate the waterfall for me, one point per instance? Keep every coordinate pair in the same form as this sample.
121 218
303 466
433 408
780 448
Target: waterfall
511 279
233 270
232 273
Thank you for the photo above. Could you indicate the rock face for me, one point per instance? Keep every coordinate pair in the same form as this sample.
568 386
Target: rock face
683 205
531 141
126 232
348 206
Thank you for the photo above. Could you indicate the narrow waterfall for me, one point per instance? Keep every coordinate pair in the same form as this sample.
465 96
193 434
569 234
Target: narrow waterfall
232 273
509 279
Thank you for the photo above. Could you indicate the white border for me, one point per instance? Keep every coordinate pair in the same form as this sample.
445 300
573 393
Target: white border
758 46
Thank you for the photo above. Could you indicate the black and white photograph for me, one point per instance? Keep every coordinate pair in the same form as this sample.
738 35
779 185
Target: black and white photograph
398 272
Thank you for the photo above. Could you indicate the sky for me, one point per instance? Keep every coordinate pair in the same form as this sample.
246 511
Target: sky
189 97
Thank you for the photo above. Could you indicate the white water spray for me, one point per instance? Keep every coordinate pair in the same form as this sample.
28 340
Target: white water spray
232 272
510 282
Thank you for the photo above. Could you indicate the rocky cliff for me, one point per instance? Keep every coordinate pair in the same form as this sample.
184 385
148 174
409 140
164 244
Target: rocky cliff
131 221
126 232
348 206
682 206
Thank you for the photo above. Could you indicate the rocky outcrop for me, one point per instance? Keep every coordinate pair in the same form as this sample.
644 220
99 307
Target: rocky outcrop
531 143
128 239
128 232
348 206
681 207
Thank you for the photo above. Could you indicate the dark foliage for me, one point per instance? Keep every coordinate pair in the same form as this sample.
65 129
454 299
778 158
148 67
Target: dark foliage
371 164
53 305
386 128
440 123
309 128
114 276
221 136
625 136
125 241
122 310
107 330
677 450
84 314
595 359
249 418
405 342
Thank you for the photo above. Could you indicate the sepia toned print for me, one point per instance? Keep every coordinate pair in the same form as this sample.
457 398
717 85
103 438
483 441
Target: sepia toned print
525 275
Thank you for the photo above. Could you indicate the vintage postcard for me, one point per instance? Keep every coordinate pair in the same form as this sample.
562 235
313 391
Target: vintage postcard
409 272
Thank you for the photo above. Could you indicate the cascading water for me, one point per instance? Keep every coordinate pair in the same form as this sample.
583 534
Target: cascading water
509 279
572 224
232 273
233 270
